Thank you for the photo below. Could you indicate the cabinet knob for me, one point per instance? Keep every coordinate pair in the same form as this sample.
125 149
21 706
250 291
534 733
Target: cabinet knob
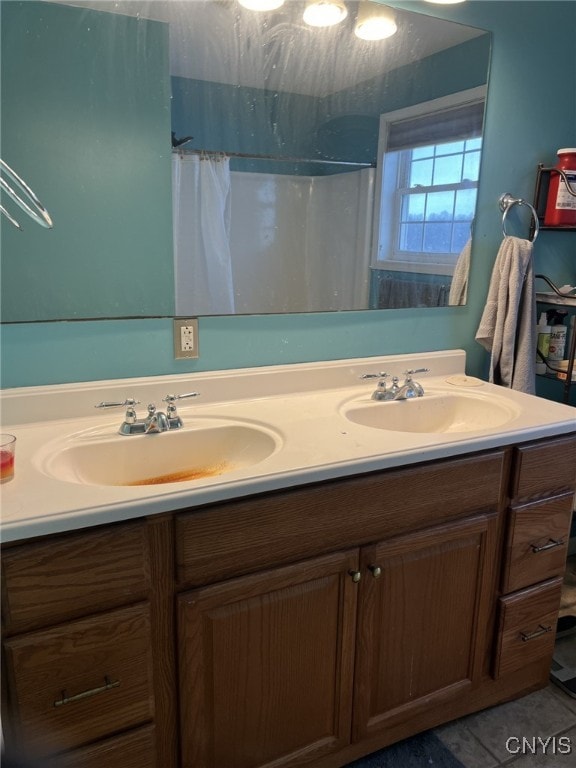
375 570
356 576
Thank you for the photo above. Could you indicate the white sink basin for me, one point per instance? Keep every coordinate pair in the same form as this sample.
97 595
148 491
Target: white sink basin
177 456
434 412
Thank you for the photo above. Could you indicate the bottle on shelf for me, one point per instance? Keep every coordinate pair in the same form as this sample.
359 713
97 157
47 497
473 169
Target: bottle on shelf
558 333
543 331
560 204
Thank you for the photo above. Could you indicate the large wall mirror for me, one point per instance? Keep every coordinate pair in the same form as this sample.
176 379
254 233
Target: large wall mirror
198 157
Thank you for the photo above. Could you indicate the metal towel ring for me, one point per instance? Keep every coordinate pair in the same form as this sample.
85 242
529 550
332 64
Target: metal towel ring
507 202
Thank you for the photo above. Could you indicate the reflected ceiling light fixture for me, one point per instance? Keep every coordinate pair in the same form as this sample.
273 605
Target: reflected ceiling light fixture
261 5
445 2
324 13
374 22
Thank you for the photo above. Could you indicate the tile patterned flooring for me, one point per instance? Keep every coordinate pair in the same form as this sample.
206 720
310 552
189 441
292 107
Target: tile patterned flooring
480 740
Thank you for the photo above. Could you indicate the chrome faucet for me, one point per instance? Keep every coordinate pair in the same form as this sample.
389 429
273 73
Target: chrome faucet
410 388
382 391
155 421
174 420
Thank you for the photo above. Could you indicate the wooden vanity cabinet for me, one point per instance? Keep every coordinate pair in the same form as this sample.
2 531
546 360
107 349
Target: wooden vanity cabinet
84 648
291 665
542 484
309 626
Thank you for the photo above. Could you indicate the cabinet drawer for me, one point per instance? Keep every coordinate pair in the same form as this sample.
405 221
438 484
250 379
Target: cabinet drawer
268 530
527 626
81 681
135 749
537 542
75 575
544 468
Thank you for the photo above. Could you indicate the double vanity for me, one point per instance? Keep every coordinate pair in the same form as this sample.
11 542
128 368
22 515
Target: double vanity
298 575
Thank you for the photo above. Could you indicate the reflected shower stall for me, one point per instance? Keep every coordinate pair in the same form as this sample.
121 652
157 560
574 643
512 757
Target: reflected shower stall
306 237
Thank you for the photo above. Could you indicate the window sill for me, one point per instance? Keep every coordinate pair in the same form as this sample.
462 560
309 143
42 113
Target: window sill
414 267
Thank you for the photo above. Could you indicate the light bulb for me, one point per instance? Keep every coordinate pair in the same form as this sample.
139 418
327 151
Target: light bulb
374 22
324 13
261 5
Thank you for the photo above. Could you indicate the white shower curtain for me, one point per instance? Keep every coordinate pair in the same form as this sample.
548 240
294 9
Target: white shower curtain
338 240
201 220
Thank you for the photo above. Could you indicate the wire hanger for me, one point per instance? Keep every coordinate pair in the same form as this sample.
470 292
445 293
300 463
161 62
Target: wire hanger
30 204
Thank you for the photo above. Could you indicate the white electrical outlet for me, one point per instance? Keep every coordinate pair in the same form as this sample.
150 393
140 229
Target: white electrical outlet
185 339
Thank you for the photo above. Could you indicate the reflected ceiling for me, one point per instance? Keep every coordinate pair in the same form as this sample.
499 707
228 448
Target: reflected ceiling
285 44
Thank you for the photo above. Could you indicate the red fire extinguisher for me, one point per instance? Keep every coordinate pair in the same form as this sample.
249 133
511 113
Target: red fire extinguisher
561 205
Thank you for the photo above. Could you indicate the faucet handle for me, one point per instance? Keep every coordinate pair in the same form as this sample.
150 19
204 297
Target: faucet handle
174 419
381 375
130 416
412 371
172 398
129 403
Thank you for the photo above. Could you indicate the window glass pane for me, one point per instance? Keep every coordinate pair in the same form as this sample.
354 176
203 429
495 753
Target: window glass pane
471 166
413 207
418 153
474 143
411 237
421 173
450 148
448 170
460 236
440 206
437 237
465 204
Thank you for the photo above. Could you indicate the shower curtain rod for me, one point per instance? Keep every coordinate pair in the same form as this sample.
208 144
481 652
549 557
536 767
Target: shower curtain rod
272 157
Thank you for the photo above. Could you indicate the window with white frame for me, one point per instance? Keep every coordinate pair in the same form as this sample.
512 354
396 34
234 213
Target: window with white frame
429 163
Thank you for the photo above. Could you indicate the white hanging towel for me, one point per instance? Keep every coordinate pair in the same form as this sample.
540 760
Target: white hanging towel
508 325
459 285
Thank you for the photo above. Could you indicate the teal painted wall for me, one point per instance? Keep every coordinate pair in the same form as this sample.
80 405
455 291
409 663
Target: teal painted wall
254 120
455 69
86 129
531 112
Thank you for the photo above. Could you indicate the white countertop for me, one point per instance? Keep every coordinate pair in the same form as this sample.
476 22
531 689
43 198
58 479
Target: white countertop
299 406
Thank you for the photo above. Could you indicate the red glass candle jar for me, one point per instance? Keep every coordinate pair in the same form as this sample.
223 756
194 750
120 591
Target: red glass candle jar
561 205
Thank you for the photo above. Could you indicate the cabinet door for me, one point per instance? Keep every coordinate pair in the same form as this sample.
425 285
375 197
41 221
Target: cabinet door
266 664
423 609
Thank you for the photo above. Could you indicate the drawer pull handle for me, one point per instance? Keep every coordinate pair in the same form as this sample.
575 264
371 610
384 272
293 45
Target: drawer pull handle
375 570
551 544
108 685
538 633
